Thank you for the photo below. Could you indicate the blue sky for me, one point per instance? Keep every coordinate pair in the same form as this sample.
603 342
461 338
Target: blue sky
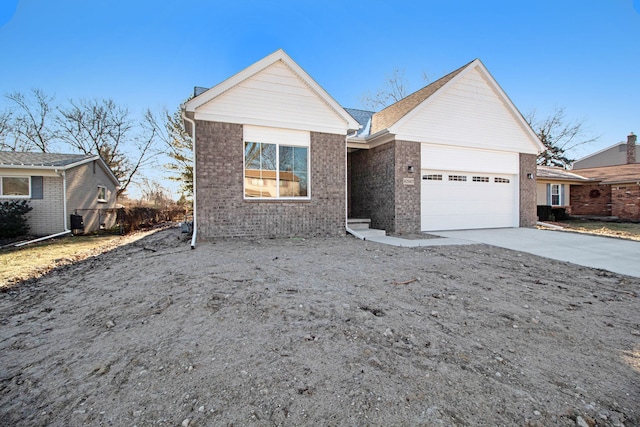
583 55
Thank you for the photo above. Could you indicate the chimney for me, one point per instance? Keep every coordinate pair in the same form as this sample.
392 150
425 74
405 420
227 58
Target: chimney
631 148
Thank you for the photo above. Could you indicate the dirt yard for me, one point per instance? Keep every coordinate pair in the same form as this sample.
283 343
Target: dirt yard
319 332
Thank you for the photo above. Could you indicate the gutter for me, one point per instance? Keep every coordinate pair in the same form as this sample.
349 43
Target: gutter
195 199
17 245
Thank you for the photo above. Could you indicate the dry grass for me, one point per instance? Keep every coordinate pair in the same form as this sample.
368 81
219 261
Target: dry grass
624 230
17 264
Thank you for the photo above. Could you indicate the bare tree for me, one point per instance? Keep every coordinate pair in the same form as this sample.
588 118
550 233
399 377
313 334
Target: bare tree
5 128
559 135
154 193
170 130
101 127
394 89
31 123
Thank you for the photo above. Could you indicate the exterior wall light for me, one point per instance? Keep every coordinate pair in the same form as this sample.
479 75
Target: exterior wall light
410 169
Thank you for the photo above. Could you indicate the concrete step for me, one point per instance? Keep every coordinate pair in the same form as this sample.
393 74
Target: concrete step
359 223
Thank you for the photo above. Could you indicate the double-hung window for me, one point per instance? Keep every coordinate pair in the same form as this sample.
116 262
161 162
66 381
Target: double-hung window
276 163
102 193
15 186
555 194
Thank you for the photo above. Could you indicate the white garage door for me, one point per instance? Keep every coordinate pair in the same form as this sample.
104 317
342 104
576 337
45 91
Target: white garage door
465 188
465 200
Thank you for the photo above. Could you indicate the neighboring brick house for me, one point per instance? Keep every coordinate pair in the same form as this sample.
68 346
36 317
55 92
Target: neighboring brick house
554 186
57 186
614 189
276 155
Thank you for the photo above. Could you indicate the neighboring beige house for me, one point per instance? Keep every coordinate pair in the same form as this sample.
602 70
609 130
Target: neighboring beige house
276 155
618 154
58 186
553 186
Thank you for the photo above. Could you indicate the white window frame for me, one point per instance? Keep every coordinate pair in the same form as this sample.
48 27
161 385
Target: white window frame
17 196
279 138
558 187
103 189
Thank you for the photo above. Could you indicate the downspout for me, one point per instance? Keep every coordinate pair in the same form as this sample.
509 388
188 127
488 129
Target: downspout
195 199
346 190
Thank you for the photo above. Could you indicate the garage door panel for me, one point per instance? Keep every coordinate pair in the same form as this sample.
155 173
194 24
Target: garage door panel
450 205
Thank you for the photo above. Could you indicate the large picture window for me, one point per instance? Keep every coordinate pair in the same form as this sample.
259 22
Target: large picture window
15 186
273 171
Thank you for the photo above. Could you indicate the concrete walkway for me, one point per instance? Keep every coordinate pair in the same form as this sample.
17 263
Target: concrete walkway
616 255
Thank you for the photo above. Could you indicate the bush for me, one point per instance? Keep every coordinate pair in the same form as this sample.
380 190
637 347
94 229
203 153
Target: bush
13 219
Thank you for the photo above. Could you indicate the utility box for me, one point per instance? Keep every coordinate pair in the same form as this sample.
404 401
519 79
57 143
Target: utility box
76 222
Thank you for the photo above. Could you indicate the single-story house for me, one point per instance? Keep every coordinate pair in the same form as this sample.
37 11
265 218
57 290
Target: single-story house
58 186
276 155
554 186
614 191
614 185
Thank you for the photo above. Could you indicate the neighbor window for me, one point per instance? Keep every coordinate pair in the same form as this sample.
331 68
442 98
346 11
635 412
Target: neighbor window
15 186
102 193
556 194
273 171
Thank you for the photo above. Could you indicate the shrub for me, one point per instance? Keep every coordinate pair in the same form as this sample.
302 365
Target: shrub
13 219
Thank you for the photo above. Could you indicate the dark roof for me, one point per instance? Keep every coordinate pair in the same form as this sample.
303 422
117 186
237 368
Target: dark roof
553 173
394 112
15 158
614 174
363 117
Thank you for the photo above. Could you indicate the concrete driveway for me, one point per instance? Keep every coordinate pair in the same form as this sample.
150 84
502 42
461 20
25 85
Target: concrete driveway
616 255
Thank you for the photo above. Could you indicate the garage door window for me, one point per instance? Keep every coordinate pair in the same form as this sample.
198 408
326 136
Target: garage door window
501 180
480 179
457 177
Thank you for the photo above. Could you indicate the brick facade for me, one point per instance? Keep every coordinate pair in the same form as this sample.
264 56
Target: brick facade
591 199
378 189
407 194
528 206
620 200
46 216
223 211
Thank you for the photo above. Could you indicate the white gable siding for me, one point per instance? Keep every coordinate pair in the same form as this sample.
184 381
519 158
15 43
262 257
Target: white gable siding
274 97
468 113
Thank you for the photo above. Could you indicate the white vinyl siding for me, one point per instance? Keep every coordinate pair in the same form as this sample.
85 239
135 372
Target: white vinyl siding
275 97
468 113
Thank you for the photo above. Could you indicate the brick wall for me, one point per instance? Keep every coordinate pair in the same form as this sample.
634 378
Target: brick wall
625 200
378 190
407 197
528 206
222 210
591 199
373 186
47 213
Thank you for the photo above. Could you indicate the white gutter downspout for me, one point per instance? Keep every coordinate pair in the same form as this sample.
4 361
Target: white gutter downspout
346 191
195 206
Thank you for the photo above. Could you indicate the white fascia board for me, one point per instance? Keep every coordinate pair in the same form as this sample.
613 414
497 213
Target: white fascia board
17 170
439 141
269 123
539 147
279 55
